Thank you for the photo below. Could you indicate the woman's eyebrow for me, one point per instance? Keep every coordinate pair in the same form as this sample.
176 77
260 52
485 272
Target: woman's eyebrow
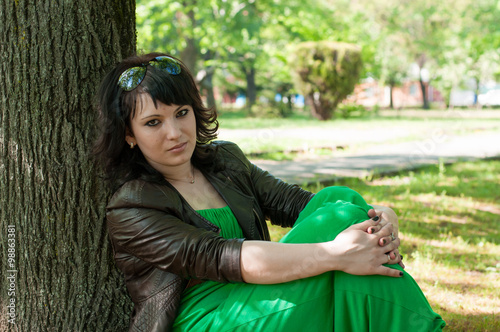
150 116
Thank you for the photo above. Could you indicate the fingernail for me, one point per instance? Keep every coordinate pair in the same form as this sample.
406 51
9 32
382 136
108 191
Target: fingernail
400 274
376 218
383 241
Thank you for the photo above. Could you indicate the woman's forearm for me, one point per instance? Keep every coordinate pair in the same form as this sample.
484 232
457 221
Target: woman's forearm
265 262
353 251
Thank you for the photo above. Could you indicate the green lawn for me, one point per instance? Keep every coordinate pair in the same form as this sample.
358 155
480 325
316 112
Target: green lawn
302 132
450 231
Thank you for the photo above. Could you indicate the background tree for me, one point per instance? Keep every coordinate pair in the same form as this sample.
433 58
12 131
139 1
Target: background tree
479 32
54 54
197 31
243 46
327 73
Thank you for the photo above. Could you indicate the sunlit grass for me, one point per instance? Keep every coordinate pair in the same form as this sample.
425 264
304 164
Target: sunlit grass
450 231
255 134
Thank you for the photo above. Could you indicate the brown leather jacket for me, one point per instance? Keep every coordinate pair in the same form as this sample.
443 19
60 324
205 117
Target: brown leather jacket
160 242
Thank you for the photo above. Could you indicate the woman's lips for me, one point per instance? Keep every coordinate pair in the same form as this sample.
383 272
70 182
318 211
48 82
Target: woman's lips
178 147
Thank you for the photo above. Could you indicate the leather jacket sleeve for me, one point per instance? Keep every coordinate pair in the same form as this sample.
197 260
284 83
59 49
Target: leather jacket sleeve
154 234
281 202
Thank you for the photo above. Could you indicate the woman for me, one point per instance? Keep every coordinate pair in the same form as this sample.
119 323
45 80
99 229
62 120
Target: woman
187 224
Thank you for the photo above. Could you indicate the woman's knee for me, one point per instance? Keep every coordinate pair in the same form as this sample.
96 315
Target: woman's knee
342 193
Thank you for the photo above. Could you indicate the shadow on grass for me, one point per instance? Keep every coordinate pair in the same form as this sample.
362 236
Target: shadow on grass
437 202
458 321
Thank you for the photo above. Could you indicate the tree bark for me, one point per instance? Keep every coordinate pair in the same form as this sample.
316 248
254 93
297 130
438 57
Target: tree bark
206 81
425 99
251 86
391 96
320 108
208 86
189 55
58 257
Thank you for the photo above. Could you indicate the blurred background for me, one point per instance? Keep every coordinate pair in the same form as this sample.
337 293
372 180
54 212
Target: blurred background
413 54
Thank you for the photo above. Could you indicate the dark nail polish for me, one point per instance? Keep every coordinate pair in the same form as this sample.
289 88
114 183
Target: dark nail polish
376 218
400 274
384 241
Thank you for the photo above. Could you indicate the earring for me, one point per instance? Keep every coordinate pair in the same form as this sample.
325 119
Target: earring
131 145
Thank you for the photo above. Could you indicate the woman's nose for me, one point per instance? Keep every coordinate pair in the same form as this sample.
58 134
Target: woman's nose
172 130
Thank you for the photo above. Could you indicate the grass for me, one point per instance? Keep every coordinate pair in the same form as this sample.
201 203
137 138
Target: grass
257 135
450 230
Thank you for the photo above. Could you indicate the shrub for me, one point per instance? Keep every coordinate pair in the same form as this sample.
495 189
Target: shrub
326 74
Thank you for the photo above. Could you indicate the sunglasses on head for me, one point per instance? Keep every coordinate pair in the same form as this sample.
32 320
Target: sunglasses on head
132 77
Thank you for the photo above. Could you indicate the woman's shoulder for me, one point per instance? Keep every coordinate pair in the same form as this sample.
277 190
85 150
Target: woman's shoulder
142 193
230 151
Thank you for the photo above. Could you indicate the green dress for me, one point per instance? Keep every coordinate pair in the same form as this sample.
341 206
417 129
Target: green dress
333 301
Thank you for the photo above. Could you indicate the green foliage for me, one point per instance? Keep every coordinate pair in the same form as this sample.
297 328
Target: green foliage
327 73
245 46
349 110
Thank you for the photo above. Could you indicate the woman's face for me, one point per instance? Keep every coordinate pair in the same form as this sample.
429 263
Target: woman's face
166 135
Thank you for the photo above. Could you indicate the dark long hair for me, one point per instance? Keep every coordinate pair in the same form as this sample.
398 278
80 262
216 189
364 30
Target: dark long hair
116 107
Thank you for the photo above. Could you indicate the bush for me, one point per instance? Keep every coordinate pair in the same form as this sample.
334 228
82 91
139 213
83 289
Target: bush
326 74
349 110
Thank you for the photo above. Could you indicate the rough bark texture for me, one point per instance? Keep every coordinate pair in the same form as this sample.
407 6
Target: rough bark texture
53 56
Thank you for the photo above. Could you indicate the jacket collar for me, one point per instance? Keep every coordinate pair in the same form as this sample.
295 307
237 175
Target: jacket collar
242 205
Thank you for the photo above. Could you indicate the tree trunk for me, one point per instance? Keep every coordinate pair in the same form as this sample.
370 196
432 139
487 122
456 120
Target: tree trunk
189 55
476 92
320 108
425 99
251 86
57 268
391 96
208 86
206 81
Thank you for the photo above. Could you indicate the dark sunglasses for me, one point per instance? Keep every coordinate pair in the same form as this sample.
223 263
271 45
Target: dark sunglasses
132 77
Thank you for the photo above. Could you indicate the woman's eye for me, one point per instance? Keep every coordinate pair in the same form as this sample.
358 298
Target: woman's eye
152 123
182 112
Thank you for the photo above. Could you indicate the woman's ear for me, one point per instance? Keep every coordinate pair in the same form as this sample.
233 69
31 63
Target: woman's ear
129 138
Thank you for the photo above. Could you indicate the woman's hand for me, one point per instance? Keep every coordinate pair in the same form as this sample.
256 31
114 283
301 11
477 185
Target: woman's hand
359 252
386 215
354 251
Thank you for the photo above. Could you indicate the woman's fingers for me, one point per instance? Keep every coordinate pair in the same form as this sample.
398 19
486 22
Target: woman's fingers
373 229
383 241
387 271
385 231
367 246
365 225
373 225
392 246
394 254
